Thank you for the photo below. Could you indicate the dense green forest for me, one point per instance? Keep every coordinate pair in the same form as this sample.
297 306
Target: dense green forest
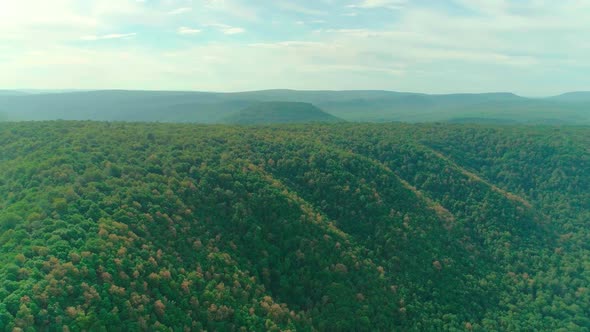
330 227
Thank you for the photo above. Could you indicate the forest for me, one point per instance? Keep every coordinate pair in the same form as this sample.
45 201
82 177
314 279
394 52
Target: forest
113 226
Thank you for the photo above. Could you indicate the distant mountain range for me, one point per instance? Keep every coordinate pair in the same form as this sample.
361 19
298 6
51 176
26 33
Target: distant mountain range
12 93
365 106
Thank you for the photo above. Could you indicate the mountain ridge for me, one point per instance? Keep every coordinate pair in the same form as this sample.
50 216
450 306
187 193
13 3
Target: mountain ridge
353 105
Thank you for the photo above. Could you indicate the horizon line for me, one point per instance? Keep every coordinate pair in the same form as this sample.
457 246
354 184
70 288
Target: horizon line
66 90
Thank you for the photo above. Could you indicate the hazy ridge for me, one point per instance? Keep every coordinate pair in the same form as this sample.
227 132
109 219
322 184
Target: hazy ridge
363 106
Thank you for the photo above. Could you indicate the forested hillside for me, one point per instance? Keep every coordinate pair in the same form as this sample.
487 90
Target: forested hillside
280 112
329 227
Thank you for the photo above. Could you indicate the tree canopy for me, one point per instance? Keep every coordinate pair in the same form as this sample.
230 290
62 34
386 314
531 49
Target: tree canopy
331 227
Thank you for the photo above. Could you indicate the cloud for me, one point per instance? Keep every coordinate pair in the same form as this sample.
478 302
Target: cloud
287 44
370 4
110 36
293 7
236 9
529 47
227 29
19 16
187 31
233 31
179 11
310 22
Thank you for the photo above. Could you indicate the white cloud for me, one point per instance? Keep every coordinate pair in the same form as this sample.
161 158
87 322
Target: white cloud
294 7
286 44
227 29
233 31
110 36
179 11
188 31
44 24
233 8
390 4
531 47
29 12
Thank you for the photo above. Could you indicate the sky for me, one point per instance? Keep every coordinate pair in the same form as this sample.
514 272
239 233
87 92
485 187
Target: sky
529 47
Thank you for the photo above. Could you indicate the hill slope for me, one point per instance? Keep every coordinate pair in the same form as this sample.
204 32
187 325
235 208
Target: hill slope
579 96
280 112
361 227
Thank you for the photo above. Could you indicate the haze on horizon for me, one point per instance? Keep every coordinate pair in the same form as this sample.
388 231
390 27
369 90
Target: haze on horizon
529 47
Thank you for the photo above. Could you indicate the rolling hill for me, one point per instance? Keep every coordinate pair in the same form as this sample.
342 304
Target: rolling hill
280 112
579 96
343 226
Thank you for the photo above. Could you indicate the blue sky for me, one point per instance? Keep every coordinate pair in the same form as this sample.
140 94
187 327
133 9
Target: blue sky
530 47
